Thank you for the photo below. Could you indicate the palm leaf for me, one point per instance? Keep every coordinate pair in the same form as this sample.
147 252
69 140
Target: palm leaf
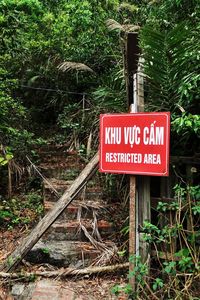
169 64
67 66
114 25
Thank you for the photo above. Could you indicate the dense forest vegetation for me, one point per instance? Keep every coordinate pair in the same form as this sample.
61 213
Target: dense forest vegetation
42 39
61 66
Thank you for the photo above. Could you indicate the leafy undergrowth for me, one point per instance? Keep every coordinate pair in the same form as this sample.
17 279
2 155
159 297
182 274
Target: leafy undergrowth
173 268
21 211
17 216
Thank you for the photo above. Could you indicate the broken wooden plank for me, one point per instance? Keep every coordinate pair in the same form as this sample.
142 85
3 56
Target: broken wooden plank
27 244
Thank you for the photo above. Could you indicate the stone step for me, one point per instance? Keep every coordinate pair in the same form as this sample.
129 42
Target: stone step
54 148
74 168
86 209
59 159
63 253
57 183
42 290
65 244
86 195
71 230
61 171
42 152
90 192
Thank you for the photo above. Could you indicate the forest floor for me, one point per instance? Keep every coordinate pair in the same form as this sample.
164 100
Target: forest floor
73 288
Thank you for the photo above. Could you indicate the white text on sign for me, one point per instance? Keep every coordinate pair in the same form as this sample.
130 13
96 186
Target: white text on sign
153 135
134 158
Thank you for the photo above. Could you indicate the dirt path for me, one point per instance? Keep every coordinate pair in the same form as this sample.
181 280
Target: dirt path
97 288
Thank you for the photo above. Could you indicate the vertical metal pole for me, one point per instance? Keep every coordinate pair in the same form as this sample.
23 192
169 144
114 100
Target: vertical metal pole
143 200
132 230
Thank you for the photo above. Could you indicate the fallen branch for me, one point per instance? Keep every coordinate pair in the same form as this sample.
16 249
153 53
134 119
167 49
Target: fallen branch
66 272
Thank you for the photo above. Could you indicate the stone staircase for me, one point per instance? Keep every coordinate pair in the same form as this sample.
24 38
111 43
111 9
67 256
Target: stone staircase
82 232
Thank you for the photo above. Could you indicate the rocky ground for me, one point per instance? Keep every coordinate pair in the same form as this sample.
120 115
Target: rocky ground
72 288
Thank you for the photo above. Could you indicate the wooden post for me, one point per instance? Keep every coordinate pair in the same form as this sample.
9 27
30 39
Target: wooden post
131 51
140 200
140 208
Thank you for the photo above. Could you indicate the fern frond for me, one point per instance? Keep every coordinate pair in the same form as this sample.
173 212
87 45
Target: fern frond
113 25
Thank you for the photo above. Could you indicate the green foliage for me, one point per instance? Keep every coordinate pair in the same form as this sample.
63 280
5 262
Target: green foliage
185 131
117 289
70 117
170 268
163 206
18 212
168 39
14 116
196 208
176 247
4 159
140 270
158 284
168 55
185 261
187 125
110 95
45 34
39 35
45 250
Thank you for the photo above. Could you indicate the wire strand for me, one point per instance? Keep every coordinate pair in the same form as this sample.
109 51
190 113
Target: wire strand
42 176
52 90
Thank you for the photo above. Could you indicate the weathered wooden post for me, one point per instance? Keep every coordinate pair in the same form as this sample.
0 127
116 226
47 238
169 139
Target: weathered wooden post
131 58
140 208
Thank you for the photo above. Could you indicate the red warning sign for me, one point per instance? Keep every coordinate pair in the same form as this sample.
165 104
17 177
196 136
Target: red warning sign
135 143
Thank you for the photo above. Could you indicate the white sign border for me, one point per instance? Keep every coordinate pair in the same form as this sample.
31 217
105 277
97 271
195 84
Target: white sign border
167 115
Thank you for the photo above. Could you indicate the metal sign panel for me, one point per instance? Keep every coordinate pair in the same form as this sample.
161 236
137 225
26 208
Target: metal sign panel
135 143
